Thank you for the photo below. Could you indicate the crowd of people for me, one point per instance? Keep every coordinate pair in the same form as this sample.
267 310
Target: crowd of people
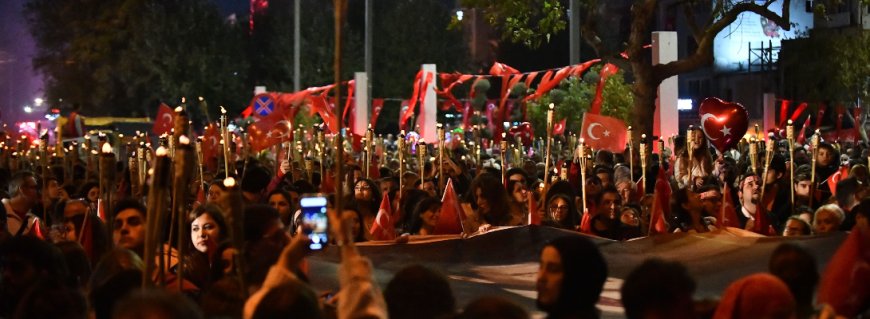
64 256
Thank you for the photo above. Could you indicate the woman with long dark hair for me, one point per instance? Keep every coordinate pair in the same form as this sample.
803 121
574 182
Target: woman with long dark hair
425 216
488 203
561 212
367 197
701 162
208 233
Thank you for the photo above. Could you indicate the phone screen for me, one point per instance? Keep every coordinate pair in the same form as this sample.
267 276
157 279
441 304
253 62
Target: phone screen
314 221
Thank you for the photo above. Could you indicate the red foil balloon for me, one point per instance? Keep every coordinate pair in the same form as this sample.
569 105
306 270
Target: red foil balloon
724 123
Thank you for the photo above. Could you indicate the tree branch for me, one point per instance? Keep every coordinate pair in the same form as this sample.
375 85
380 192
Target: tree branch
703 55
588 31
692 21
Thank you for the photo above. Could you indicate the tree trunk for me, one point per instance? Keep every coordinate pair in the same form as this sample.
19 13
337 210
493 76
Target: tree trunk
645 90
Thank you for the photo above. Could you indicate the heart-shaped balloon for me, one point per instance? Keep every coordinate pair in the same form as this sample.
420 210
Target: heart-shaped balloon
724 123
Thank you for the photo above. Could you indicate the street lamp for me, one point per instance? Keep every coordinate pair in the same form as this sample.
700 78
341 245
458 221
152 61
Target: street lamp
38 101
28 109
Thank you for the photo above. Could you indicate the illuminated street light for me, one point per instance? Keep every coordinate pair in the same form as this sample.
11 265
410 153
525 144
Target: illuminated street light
38 101
28 109
459 15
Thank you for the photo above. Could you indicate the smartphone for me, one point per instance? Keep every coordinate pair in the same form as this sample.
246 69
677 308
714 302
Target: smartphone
314 220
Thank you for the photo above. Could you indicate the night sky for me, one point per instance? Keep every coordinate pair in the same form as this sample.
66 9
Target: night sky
19 84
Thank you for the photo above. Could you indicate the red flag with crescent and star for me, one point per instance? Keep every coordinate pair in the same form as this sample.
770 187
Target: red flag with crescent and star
524 132
603 132
211 146
377 106
165 120
271 130
559 127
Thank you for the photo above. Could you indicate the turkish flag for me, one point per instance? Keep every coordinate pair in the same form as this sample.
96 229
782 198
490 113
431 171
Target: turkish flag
728 216
271 130
603 132
211 146
836 178
559 127
384 228
606 72
165 120
451 217
844 282
319 105
524 131
534 218
661 204
377 105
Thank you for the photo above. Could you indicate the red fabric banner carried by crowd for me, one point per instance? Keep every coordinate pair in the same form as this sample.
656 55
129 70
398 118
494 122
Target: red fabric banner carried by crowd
165 120
603 132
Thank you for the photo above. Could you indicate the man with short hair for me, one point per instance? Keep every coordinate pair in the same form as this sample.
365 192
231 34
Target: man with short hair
24 196
795 226
605 222
848 192
748 193
128 230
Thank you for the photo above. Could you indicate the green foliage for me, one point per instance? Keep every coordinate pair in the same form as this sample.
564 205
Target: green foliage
122 57
530 22
573 97
270 46
828 67
407 34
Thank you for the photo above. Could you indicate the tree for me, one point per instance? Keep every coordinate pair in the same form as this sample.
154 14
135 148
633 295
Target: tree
525 21
828 67
122 57
574 95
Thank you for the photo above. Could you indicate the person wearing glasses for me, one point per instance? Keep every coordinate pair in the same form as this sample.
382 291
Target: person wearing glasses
561 212
24 196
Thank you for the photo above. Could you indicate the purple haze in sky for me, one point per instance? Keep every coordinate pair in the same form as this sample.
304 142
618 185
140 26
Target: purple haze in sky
19 84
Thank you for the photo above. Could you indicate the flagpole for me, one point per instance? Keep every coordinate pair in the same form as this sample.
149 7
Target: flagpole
582 152
181 178
815 144
789 131
690 142
421 159
225 138
200 164
400 149
753 154
441 139
339 6
503 145
768 157
368 150
549 139
631 156
156 209
643 160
